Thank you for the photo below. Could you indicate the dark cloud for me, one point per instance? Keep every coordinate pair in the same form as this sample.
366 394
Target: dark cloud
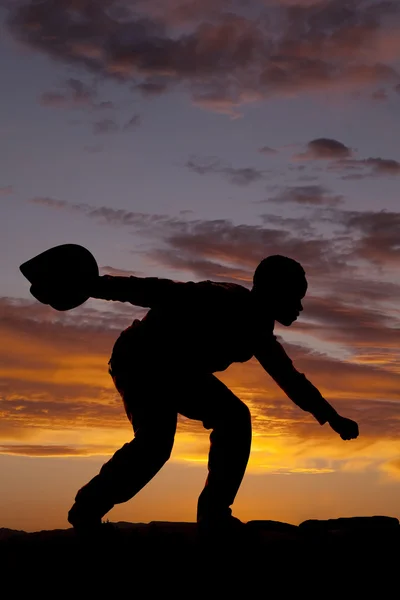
34 317
238 176
223 250
308 195
107 270
379 242
366 167
219 247
105 214
38 450
327 149
227 55
111 126
204 166
307 178
380 95
75 93
152 88
201 267
383 166
371 236
267 150
302 226
350 323
132 123
117 217
371 292
105 105
242 176
105 126
80 91
355 176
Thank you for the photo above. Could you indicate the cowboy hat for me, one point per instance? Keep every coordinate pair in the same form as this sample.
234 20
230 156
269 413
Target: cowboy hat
61 276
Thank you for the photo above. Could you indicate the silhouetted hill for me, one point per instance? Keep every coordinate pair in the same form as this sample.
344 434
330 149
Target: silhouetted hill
342 555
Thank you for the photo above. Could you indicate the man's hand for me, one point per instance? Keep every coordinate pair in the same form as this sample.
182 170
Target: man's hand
346 428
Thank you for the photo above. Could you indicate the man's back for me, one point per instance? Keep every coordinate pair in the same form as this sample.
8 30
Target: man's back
202 326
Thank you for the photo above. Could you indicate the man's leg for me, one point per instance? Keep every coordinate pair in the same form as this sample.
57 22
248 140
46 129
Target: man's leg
135 464
207 399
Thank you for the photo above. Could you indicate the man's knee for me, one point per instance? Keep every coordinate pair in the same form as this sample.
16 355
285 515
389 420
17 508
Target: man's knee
157 447
236 413
163 450
239 413
145 448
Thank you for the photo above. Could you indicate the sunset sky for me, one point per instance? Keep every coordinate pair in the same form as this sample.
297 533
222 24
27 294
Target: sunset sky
189 139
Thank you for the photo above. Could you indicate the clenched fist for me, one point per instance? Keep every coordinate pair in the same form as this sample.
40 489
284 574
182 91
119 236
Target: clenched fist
346 428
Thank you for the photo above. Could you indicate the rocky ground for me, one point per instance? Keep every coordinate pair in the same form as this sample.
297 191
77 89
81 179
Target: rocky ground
350 557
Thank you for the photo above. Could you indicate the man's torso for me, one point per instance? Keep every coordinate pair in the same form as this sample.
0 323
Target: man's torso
206 335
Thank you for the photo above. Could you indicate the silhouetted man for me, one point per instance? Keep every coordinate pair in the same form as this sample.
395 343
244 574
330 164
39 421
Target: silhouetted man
164 365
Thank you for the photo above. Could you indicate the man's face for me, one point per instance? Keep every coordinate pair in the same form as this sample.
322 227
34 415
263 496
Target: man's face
284 302
287 303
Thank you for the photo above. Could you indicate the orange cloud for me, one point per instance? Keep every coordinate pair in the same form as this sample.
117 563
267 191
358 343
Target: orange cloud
57 399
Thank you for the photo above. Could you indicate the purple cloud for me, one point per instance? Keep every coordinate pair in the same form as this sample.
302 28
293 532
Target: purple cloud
237 175
224 56
307 195
105 126
267 150
326 149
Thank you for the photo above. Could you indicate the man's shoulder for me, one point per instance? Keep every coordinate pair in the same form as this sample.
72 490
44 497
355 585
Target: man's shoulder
225 288
226 285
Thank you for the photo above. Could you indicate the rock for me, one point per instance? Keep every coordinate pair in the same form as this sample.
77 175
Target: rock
6 534
272 531
272 526
160 557
350 524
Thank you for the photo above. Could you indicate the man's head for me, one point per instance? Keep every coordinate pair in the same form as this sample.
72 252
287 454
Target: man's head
279 284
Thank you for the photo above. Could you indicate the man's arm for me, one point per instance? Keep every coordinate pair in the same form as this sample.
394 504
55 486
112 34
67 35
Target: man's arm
141 291
296 386
150 292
